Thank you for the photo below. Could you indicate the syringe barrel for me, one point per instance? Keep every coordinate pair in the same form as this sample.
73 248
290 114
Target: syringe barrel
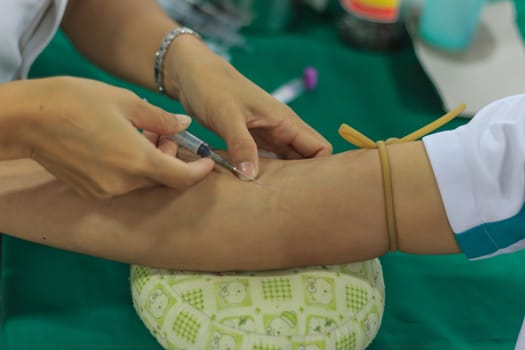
192 143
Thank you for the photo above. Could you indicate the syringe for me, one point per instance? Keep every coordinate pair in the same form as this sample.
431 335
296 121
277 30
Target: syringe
198 147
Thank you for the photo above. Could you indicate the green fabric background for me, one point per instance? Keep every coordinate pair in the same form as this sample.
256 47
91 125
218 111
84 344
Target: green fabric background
53 299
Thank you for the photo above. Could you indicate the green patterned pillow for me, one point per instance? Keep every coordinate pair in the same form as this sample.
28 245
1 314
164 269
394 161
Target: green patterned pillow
335 307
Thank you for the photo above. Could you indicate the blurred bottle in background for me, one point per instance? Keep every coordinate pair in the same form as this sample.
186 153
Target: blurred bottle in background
366 24
450 24
268 16
371 24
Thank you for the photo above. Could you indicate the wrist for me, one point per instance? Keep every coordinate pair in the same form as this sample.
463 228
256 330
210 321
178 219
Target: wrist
174 45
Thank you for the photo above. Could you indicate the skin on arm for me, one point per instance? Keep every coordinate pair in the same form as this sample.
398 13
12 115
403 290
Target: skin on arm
306 212
420 213
120 36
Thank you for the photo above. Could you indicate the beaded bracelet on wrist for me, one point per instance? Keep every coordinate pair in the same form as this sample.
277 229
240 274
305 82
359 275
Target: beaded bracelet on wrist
161 53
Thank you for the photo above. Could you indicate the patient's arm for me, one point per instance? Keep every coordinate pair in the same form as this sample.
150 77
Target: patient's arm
305 212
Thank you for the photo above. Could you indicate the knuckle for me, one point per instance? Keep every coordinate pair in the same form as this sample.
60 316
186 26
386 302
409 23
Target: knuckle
138 107
142 163
166 121
105 191
131 95
109 187
94 193
187 180
289 113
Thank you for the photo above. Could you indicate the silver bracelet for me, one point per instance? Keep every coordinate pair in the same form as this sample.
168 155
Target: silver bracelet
159 56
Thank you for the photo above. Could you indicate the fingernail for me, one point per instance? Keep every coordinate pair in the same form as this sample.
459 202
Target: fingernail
184 120
247 168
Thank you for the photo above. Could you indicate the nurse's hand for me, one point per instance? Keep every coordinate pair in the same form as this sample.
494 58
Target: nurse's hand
85 133
243 114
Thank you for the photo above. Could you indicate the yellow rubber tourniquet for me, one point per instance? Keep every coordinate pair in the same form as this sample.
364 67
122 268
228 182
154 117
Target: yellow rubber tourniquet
358 139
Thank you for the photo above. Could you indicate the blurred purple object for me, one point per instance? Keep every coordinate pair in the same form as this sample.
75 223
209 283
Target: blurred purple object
294 88
310 76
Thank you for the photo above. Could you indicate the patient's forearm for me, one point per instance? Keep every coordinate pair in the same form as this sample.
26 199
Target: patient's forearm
318 211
